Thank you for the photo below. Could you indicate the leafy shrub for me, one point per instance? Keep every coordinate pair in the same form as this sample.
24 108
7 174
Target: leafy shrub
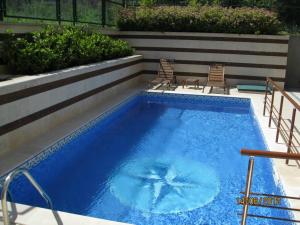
214 19
227 3
248 3
147 3
60 47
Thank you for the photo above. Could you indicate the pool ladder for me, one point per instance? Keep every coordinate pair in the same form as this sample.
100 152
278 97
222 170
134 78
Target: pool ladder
5 191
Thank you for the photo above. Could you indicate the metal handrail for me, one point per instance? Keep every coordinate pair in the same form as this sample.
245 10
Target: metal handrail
6 184
276 115
247 192
271 154
294 103
248 189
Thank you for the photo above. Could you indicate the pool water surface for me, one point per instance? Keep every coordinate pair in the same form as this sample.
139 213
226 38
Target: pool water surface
157 159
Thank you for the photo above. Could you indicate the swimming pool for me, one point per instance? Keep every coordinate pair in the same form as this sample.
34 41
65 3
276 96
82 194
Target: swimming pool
156 159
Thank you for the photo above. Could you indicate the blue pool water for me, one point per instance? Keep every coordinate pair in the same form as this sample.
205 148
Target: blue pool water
157 159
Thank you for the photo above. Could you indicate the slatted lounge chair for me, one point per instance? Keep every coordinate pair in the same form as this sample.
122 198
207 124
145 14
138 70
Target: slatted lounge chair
216 76
165 74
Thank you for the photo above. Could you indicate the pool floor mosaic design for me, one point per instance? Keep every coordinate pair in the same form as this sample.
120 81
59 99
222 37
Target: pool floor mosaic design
156 159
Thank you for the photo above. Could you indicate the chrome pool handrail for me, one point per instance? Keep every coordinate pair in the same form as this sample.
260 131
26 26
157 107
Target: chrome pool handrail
246 200
6 184
248 189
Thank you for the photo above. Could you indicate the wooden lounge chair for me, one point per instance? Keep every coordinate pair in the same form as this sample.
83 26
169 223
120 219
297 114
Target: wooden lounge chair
216 77
165 74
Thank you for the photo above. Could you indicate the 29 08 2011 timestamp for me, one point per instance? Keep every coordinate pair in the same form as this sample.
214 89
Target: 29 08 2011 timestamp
259 201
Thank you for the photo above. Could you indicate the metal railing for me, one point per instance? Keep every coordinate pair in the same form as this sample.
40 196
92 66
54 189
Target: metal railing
247 193
286 126
6 184
98 12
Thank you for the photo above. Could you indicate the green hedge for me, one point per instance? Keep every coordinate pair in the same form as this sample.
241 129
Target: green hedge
212 19
60 47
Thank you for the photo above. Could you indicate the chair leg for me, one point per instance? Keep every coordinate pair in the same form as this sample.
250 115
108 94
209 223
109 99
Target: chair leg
183 83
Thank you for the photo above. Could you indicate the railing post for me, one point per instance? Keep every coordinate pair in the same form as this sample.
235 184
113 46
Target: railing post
271 108
58 12
4 8
248 190
103 3
1 10
266 96
74 12
291 133
279 118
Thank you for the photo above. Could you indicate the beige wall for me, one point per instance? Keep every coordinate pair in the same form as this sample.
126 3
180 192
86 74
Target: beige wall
28 106
248 58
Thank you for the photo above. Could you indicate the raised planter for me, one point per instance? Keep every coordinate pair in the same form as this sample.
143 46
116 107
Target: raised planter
31 105
248 58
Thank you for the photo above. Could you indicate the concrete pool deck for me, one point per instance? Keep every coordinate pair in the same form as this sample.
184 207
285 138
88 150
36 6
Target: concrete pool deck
289 175
28 215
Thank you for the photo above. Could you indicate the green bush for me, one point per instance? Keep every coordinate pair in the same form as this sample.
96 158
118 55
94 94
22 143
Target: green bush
147 3
214 19
248 3
60 47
